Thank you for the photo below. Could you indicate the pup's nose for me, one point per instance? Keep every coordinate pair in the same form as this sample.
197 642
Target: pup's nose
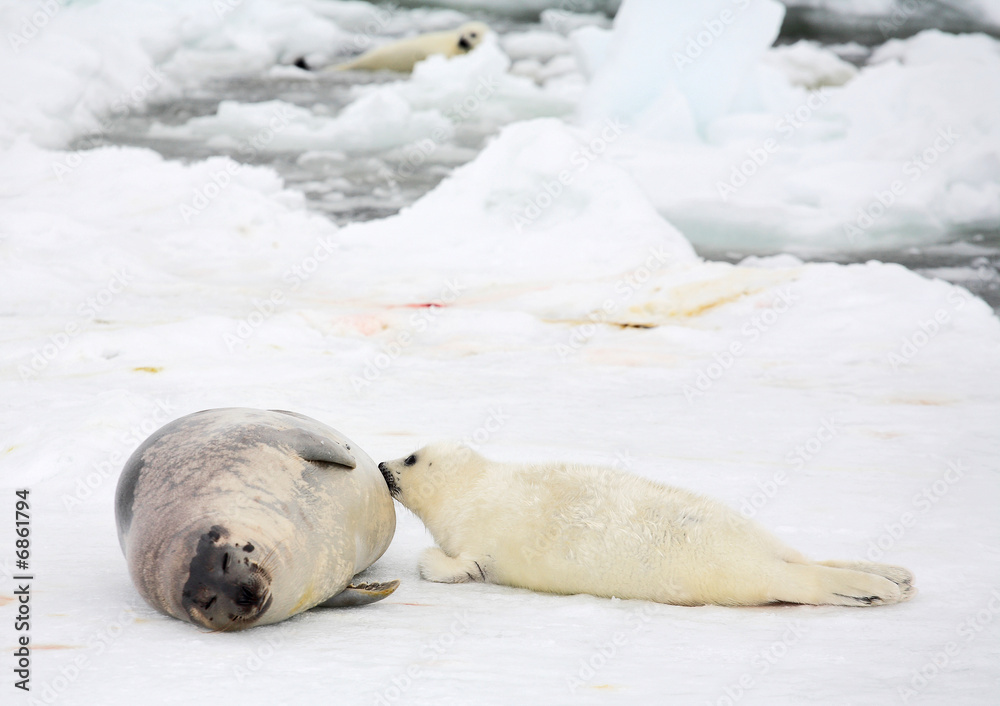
382 467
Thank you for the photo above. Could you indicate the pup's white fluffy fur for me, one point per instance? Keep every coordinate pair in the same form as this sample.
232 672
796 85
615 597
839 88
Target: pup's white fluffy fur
403 55
584 529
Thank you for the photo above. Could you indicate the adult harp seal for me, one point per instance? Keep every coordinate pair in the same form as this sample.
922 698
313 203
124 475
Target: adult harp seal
231 518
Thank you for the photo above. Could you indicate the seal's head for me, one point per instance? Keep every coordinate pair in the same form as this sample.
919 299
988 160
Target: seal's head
470 35
227 589
423 479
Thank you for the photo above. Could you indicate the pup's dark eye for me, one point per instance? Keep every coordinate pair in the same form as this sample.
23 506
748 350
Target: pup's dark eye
473 35
410 460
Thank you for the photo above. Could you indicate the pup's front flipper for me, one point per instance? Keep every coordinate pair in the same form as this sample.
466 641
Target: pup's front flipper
435 565
360 594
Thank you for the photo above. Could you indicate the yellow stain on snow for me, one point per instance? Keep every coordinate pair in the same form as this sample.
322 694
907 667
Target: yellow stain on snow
883 434
147 369
711 287
920 401
678 296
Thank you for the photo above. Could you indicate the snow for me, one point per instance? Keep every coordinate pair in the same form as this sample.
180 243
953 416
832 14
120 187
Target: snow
477 86
421 109
905 152
809 65
928 48
375 122
565 21
535 44
543 302
701 51
87 63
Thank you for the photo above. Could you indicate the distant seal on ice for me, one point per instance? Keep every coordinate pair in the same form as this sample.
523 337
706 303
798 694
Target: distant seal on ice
403 55
231 518
583 529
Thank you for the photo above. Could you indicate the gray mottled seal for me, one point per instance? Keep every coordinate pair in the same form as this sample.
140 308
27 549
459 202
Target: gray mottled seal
231 518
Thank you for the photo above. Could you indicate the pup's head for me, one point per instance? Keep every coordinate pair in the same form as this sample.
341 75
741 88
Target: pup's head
471 34
421 479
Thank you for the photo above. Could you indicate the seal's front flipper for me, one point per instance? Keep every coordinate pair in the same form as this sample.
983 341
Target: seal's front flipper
361 594
435 565
316 448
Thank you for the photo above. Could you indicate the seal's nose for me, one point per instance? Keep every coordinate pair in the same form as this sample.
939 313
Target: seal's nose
389 480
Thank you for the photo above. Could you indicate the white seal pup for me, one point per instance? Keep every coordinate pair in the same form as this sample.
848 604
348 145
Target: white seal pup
231 518
583 529
403 55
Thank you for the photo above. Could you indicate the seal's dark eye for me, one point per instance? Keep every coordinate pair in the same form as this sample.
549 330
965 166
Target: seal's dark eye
472 34
410 460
